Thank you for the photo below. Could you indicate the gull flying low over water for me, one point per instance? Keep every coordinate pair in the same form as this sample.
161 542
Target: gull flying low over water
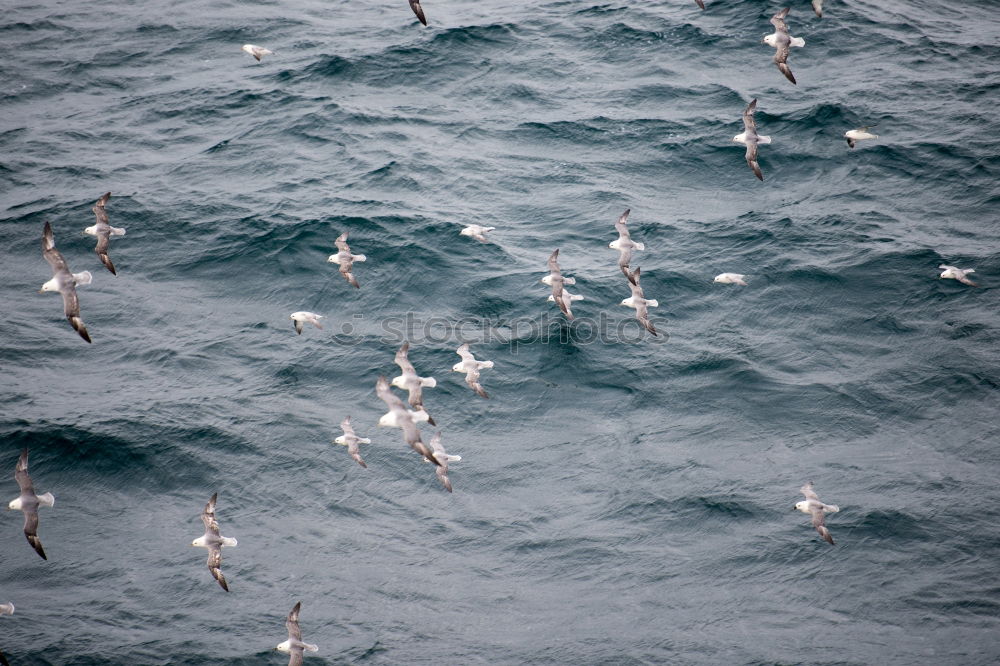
860 134
345 259
300 318
104 232
751 139
567 301
64 282
624 244
812 505
958 274
257 52
443 458
418 10
351 441
639 302
471 367
399 417
476 231
730 278
782 42
28 503
409 381
213 541
556 280
294 645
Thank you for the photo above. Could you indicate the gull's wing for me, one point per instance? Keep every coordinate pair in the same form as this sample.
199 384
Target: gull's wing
103 240
3 660
781 60
751 157
964 280
554 263
621 226
442 470
464 352
819 522
391 400
778 20
31 531
749 124
341 243
624 257
412 437
701 3
808 491
292 623
208 516
352 449
298 326
472 379
215 564
850 142
346 426
99 211
295 657
346 267
49 251
403 360
21 475
642 314
418 10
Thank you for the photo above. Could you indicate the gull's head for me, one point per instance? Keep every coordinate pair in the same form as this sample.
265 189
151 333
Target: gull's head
468 231
740 138
398 382
547 280
340 440
91 230
14 504
285 646
248 48
49 286
458 367
770 39
388 420
200 542
802 506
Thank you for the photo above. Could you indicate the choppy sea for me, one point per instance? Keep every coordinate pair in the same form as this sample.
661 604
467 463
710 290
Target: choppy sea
620 499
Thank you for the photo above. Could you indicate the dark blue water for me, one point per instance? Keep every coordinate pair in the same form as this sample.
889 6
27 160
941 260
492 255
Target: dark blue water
620 499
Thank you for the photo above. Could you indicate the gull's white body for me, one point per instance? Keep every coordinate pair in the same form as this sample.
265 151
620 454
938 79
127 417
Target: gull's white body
300 318
476 231
730 278
391 419
855 135
950 272
257 52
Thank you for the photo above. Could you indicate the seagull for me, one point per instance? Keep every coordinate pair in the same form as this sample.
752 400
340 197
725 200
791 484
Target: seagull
351 441
64 282
471 367
639 302
750 138
443 458
345 259
28 502
730 278
214 542
958 274
299 318
257 52
418 10
104 232
409 381
567 300
855 135
476 231
556 280
294 645
399 417
624 244
782 42
818 510
818 7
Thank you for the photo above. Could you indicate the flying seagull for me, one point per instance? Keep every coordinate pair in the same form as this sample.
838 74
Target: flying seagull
418 10
624 244
214 542
813 506
399 417
471 367
750 138
345 259
556 280
958 274
476 231
104 232
294 645
300 318
64 282
639 302
28 502
409 381
351 441
443 458
567 301
860 134
257 52
818 7
730 278
782 42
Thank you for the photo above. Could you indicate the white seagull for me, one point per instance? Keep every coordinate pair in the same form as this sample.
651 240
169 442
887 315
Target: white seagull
958 274
104 232
812 505
213 541
300 318
730 278
471 367
399 417
860 134
409 381
751 139
781 41
476 231
257 52
443 458
64 282
294 646
556 280
351 441
624 244
639 302
345 259
28 503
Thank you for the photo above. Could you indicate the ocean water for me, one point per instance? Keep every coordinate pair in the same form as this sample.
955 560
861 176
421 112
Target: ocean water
620 499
